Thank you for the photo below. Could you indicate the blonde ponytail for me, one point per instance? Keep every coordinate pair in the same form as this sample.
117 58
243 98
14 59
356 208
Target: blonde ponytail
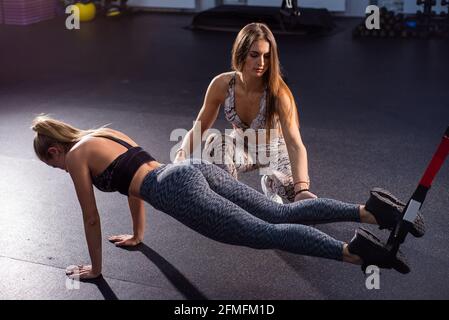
57 130
51 132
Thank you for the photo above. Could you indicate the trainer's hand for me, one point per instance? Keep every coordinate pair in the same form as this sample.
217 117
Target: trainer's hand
305 195
81 272
124 240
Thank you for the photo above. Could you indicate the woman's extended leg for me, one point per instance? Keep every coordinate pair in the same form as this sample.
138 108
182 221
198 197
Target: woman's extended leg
183 192
316 211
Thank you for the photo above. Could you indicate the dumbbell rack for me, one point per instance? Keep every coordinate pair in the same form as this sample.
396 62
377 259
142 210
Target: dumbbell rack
425 24
428 4
428 22
445 3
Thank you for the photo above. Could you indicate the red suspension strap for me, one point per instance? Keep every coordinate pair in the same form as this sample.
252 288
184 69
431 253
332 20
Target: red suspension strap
437 161
398 235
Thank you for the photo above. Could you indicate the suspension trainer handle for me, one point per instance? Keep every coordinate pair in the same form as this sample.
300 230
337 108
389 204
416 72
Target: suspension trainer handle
399 233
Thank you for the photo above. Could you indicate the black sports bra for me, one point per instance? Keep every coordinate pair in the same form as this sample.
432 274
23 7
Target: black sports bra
118 175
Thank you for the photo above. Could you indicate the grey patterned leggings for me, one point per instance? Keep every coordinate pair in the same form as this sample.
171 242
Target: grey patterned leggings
210 201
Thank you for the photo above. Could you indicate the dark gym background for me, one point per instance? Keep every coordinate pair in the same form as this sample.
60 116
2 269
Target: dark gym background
372 113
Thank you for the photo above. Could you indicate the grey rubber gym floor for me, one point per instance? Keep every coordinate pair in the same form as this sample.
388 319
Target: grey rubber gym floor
372 114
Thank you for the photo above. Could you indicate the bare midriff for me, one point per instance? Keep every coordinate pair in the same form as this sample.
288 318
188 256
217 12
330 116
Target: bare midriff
139 176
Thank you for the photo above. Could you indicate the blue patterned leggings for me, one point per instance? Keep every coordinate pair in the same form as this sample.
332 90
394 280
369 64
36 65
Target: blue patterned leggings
210 201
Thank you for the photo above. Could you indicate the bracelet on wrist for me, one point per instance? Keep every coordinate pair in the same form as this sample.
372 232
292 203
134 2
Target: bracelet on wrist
301 186
300 191
305 182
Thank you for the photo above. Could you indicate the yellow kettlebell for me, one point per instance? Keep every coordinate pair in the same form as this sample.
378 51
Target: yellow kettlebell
87 11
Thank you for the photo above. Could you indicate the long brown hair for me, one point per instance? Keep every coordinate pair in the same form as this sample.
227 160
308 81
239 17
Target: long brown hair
51 132
273 76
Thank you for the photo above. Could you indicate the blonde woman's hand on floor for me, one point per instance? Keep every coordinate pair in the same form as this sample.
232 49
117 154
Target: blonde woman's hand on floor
124 240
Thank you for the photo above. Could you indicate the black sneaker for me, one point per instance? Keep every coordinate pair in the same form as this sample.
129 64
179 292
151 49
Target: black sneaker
373 252
388 210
